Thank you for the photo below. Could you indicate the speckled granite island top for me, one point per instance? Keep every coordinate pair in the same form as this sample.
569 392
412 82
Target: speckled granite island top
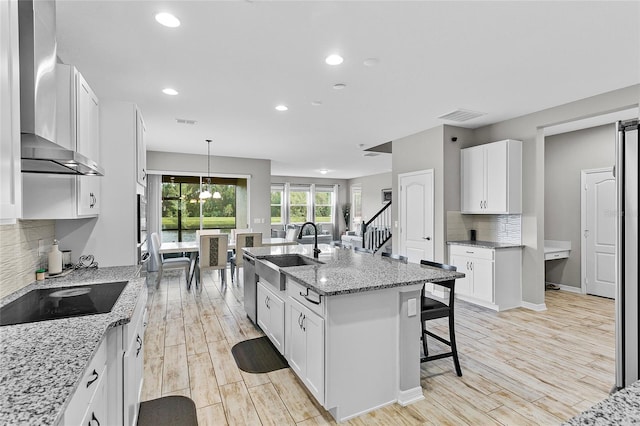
345 271
484 244
42 363
621 408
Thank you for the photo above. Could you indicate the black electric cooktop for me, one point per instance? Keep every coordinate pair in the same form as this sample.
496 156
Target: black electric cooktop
61 302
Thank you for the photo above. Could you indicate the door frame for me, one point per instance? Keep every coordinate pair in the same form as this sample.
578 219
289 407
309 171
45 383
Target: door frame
583 222
401 241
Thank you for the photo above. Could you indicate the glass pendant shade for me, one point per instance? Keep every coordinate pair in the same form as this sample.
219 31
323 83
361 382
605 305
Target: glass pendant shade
216 195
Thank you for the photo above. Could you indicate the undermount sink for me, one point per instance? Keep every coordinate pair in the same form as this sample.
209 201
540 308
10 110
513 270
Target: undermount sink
285 261
62 302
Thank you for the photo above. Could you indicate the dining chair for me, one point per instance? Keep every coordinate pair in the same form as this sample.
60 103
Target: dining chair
434 309
243 239
398 257
170 263
212 254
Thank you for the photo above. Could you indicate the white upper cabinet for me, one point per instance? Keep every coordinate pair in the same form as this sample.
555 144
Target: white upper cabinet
141 150
10 182
78 116
491 178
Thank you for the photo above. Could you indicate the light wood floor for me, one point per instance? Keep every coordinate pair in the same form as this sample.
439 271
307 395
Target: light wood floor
519 367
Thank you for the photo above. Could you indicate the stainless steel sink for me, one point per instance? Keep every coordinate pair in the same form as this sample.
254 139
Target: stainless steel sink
285 261
268 268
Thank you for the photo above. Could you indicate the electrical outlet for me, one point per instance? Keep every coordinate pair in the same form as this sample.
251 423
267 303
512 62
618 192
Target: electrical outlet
412 307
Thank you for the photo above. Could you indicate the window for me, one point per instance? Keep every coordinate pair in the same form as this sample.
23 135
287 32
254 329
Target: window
356 207
183 213
299 208
323 207
277 200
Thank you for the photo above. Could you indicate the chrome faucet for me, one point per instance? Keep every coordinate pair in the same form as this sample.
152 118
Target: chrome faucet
316 250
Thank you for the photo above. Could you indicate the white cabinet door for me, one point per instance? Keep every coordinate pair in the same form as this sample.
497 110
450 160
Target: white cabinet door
263 314
141 150
473 160
463 285
88 195
276 331
296 339
133 366
483 282
496 177
313 328
87 117
96 413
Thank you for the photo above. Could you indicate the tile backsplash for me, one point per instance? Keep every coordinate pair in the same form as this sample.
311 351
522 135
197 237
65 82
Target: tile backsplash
19 252
505 228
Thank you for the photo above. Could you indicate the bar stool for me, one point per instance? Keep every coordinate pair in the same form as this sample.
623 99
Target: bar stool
434 309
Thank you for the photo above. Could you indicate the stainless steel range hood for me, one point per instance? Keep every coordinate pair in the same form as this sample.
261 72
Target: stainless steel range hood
38 54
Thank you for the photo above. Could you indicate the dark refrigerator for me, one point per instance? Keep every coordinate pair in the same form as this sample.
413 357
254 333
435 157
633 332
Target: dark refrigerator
627 294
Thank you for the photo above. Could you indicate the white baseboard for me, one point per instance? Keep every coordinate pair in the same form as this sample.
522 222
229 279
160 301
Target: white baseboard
569 288
539 307
410 396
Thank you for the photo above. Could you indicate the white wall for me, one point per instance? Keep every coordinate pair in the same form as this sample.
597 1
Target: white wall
372 187
258 170
528 129
566 155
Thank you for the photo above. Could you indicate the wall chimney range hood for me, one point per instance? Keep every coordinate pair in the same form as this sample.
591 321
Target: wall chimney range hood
38 54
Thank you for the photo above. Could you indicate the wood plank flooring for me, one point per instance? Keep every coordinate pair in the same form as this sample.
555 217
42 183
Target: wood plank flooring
519 367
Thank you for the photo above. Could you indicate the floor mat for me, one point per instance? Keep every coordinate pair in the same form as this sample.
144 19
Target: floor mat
258 356
169 411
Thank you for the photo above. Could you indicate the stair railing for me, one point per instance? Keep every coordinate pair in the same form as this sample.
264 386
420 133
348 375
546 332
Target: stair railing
377 231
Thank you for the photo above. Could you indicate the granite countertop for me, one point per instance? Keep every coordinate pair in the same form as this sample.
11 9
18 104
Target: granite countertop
621 408
345 271
42 363
484 244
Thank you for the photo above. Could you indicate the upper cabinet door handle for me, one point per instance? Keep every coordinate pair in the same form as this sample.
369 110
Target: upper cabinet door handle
95 377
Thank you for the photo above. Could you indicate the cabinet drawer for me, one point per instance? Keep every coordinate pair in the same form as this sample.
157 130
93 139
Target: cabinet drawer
475 252
307 297
90 381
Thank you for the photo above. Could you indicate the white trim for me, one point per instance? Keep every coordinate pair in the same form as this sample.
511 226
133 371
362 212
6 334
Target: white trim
410 396
200 174
585 123
538 307
567 288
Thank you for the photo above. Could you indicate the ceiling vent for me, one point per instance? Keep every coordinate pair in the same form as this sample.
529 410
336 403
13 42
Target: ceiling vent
185 121
461 115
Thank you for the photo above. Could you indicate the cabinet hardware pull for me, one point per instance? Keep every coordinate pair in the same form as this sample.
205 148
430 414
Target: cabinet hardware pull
470 252
93 419
304 327
426 238
480 204
471 264
306 296
96 375
300 320
139 340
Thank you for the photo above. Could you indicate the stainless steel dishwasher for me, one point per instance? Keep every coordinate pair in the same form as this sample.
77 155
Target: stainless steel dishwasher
250 289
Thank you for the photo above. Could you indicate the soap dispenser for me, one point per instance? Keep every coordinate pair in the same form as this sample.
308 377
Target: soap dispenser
55 259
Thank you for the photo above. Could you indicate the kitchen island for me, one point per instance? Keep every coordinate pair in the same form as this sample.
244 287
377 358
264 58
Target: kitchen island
351 325
42 364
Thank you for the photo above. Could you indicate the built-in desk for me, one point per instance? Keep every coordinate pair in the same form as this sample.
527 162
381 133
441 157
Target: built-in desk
555 249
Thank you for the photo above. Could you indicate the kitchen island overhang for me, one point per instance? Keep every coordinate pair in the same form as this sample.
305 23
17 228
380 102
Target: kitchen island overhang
371 329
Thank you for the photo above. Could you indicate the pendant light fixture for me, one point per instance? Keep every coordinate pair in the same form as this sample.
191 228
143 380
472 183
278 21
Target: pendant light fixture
206 194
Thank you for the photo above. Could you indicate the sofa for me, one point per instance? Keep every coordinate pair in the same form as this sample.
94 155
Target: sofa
291 231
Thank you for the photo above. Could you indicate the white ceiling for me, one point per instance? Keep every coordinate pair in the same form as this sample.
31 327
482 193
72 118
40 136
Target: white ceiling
234 61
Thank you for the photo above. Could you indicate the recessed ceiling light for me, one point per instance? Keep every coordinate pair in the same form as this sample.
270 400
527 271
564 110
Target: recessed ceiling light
168 20
334 59
169 91
316 103
339 86
282 108
371 62
324 171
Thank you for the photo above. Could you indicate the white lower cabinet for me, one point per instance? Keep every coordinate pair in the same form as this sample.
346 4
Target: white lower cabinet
305 339
110 390
492 276
271 315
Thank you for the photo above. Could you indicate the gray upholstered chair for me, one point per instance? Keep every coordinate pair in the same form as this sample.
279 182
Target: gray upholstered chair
158 263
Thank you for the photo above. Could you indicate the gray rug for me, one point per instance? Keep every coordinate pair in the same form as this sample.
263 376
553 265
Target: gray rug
168 411
258 356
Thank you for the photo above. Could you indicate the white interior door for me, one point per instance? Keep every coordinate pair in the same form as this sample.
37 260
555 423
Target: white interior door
416 215
599 232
